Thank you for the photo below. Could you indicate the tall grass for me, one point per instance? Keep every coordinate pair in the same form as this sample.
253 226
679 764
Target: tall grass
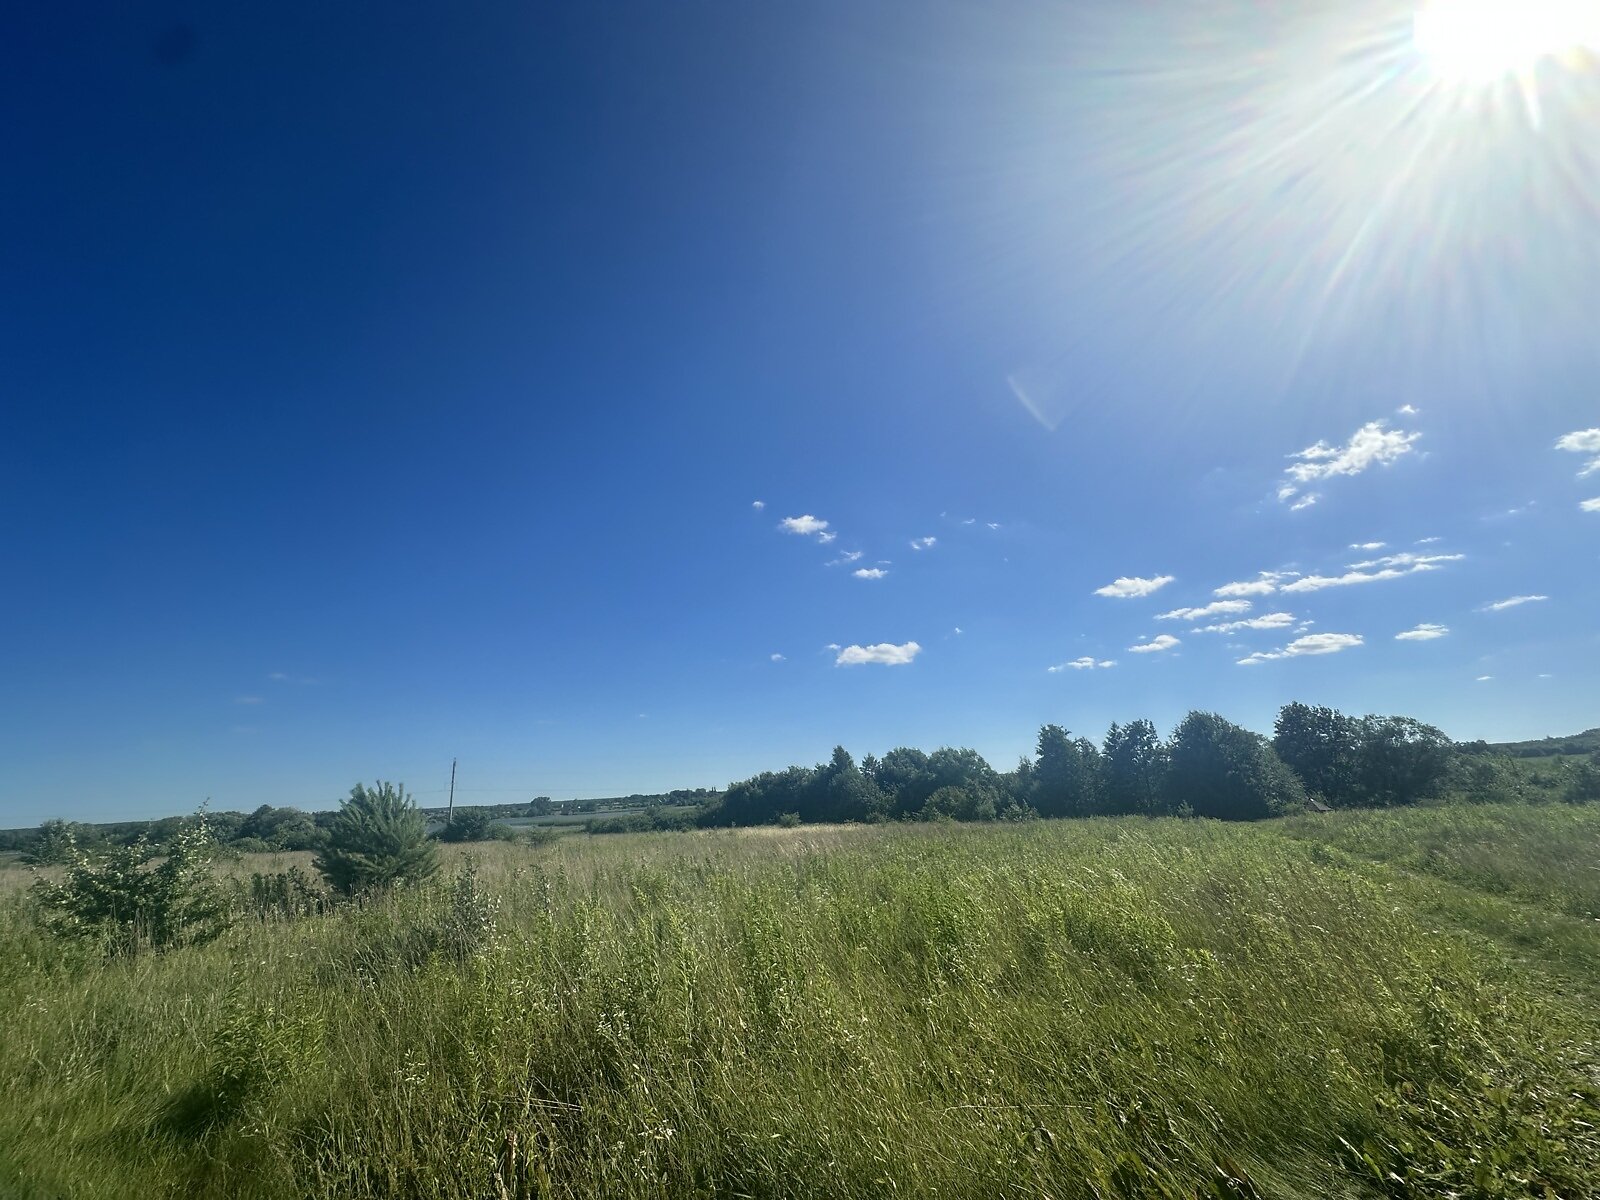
1066 1009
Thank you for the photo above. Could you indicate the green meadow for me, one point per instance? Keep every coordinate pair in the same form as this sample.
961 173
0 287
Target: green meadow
1358 1004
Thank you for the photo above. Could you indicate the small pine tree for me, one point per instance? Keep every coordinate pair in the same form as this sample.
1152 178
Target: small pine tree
377 838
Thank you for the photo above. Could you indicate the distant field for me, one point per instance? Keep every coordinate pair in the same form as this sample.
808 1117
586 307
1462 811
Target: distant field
1361 1004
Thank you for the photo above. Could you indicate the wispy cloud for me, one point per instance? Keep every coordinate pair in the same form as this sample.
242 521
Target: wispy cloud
1082 664
924 543
1368 546
1217 608
992 524
1312 643
1127 587
828 537
845 558
777 658
1374 444
1263 584
1316 583
1407 410
886 653
804 525
1484 678
758 505
1511 602
1277 620
1583 441
1428 541
869 573
1424 632
1590 505
1406 558
1162 641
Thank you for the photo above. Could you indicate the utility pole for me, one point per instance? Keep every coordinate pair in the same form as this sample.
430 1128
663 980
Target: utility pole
450 810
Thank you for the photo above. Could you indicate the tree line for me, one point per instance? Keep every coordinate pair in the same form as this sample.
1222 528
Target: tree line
1208 767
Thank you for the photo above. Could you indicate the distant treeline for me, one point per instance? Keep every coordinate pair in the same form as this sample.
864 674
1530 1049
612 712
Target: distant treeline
1209 767
1587 742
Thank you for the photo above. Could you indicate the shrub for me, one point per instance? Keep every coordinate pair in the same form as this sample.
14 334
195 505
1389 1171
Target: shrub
376 839
122 901
468 825
55 842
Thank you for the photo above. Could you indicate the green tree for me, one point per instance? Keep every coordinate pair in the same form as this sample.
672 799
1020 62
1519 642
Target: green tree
1323 746
1068 780
1400 761
55 842
1135 765
377 838
1219 769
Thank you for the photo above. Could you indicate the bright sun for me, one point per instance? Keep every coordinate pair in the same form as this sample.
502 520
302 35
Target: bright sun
1478 41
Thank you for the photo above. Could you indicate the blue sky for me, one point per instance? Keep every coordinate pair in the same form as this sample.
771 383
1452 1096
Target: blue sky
387 384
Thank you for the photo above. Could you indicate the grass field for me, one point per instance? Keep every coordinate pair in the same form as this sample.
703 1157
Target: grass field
1383 1004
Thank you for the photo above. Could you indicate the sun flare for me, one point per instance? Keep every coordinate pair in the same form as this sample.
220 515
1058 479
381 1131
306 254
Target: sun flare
1479 41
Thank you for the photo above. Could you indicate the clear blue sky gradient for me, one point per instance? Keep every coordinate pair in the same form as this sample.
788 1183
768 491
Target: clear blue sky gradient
382 384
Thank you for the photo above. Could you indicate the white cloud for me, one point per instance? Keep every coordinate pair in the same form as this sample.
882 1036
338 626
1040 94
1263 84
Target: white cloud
1374 444
886 653
1368 546
1162 641
1085 663
993 524
1277 620
869 573
758 505
1590 505
1510 602
1312 643
1305 501
1126 588
1406 558
1217 608
970 521
1484 678
1263 585
1428 541
1315 583
846 557
923 543
1583 441
1424 632
1407 410
804 525
827 538
956 630
777 658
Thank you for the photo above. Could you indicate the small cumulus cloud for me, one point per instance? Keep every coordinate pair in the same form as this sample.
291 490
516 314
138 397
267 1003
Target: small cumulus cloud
845 557
1085 663
993 524
1316 583
1374 444
956 631
1217 608
1590 505
1368 546
870 573
1277 620
758 505
885 653
1428 541
1162 641
924 543
1312 643
1583 441
970 521
1424 632
1408 410
827 538
1484 678
805 525
1263 584
777 658
1127 587
1511 602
